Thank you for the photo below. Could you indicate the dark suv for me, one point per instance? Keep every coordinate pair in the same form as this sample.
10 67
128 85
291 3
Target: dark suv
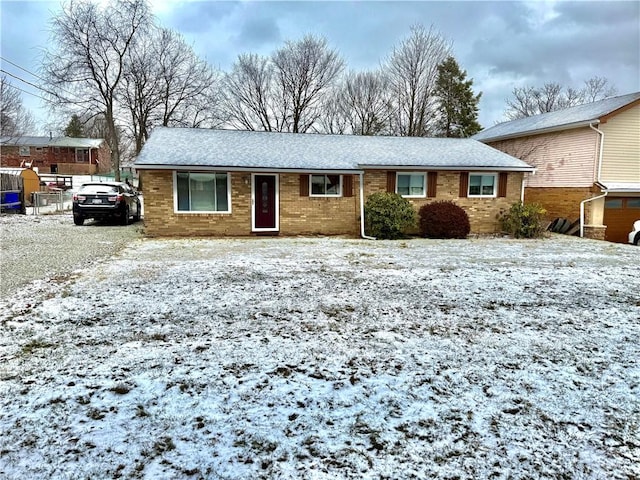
103 200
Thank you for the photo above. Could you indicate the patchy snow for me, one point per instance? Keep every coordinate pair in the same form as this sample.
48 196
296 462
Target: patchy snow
328 358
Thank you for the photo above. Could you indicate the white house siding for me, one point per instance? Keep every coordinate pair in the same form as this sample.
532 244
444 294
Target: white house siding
621 155
562 159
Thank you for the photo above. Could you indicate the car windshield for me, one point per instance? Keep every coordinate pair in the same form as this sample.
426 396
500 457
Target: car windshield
99 189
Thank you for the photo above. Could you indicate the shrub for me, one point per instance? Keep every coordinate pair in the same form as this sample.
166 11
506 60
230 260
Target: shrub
443 219
388 215
524 220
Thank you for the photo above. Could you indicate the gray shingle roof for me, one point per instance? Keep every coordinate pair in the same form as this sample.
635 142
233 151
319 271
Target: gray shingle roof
573 117
193 148
52 142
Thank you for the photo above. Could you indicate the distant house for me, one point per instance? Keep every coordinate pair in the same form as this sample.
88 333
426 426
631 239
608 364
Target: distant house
224 182
62 155
587 161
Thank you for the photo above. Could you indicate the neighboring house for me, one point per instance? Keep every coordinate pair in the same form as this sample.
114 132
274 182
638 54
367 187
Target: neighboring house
225 182
587 161
62 155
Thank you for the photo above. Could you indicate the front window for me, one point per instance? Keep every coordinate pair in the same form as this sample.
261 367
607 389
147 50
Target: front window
411 184
482 185
25 151
203 192
326 185
82 155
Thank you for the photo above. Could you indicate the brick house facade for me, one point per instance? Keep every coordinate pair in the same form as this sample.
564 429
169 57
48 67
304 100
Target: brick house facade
305 184
61 155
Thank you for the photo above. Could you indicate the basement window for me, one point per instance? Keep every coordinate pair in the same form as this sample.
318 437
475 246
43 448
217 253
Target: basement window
202 192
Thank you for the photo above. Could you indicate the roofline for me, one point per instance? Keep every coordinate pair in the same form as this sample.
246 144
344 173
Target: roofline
618 111
635 188
229 168
455 168
526 133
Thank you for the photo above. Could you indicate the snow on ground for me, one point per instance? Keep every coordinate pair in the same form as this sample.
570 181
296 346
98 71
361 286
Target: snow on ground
328 358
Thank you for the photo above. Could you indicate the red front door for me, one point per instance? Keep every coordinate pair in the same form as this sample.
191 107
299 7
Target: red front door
264 190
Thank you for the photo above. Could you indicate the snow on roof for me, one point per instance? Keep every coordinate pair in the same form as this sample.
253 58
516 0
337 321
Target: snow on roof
186 147
52 142
76 142
573 117
25 141
621 187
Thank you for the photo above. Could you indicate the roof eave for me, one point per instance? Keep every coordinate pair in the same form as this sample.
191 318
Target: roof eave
540 131
455 168
231 168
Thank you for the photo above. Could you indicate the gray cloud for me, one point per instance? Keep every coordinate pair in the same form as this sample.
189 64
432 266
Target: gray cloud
500 44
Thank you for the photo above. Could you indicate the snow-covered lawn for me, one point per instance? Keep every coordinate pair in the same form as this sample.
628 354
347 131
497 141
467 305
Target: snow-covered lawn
328 358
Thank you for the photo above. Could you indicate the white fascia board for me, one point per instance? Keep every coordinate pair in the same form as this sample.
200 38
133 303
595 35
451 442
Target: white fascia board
452 168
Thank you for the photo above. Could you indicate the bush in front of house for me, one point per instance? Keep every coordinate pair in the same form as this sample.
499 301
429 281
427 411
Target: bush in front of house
524 220
443 219
388 215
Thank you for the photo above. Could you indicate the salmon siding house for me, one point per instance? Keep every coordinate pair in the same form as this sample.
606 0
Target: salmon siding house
587 161
200 182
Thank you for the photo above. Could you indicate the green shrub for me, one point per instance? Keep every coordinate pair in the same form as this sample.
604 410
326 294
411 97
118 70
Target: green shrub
388 215
443 219
524 220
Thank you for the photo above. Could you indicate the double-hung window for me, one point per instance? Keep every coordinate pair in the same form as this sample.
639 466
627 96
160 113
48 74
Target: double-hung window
326 185
482 185
202 192
411 184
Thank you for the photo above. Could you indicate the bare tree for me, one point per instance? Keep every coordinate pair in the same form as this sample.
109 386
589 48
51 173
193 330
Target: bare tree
86 68
597 88
412 69
527 101
249 94
15 119
167 84
304 71
367 102
333 119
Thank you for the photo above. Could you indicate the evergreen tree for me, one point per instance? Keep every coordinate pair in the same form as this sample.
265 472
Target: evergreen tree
75 128
457 105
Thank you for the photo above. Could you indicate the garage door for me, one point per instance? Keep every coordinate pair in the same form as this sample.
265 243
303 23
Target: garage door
619 215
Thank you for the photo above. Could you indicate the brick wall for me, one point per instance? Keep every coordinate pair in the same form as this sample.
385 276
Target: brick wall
304 215
298 215
483 212
64 158
561 201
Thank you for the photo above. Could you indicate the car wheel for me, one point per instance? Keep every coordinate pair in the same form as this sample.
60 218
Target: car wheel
78 219
125 216
136 217
636 240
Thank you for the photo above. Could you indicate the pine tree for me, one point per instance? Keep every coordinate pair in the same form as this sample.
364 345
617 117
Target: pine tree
457 105
75 128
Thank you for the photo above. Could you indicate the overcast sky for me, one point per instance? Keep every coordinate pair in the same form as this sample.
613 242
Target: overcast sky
501 45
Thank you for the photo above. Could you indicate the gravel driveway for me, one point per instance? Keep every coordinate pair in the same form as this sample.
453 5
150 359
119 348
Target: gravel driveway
48 246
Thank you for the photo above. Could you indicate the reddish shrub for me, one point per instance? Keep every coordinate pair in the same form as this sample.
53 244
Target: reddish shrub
443 219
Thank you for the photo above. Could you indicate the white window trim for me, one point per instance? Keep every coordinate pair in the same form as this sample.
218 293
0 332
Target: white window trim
484 174
82 149
200 212
253 203
424 184
324 195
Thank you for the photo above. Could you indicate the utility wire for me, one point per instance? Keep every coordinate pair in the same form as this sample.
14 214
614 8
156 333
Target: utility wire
31 73
38 87
28 93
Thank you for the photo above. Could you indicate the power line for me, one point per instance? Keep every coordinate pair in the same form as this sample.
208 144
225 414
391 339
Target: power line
31 73
38 87
28 93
